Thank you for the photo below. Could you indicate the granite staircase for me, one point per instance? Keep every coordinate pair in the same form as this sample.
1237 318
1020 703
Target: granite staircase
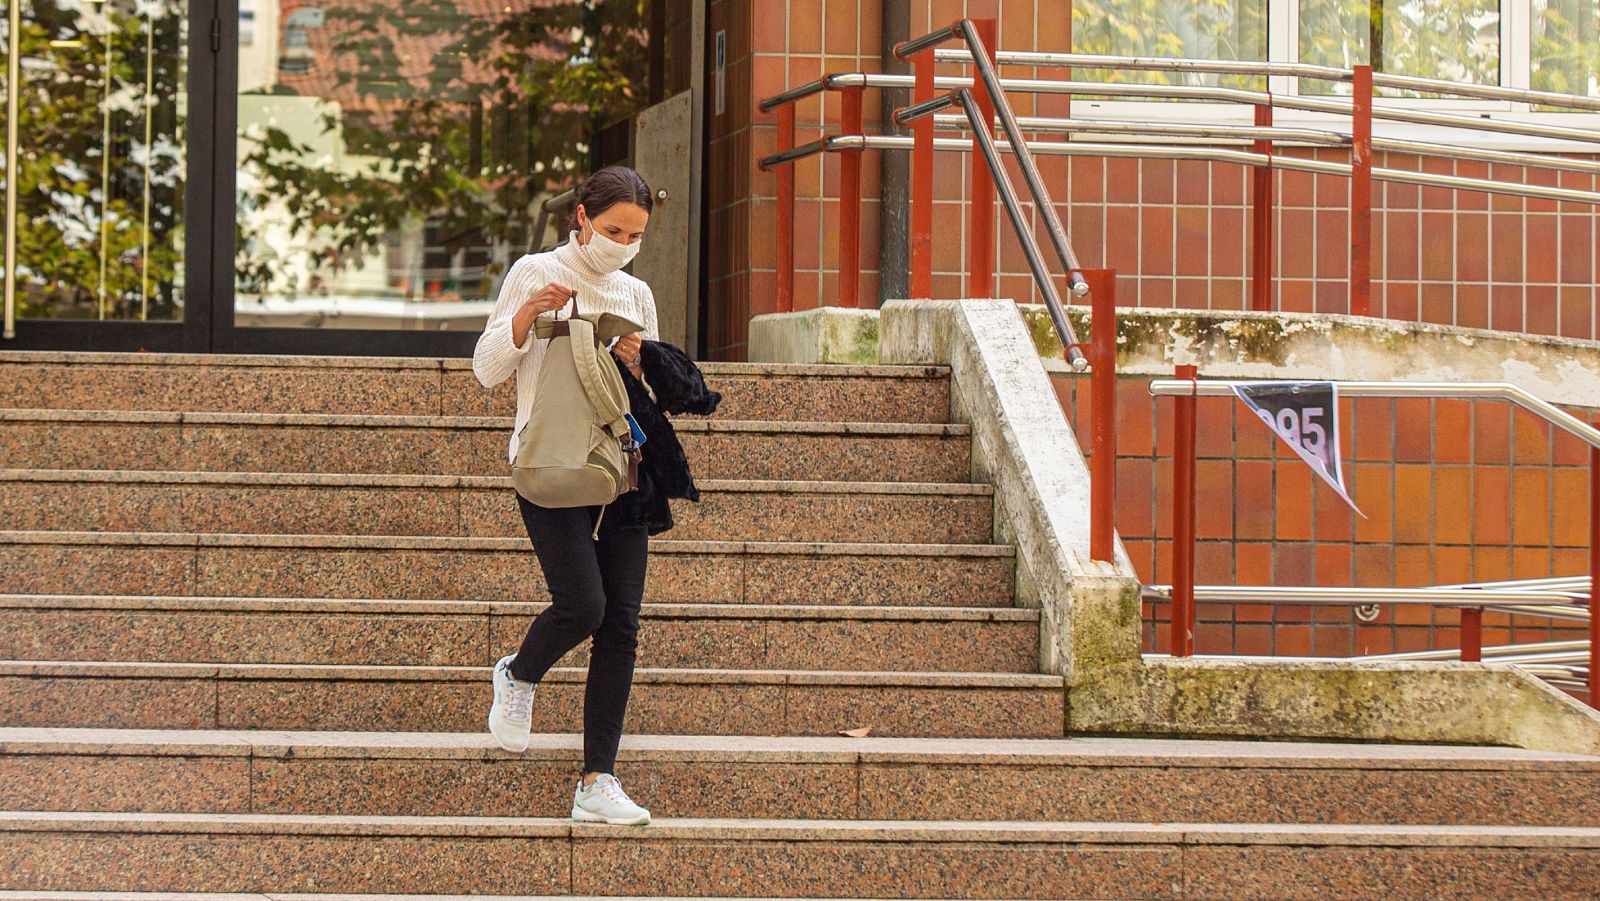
247 606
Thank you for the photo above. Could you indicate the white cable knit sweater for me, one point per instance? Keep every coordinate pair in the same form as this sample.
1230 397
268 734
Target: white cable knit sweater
496 357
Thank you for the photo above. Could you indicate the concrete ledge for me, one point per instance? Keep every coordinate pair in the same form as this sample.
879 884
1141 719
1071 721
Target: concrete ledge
1239 344
1299 699
821 335
1024 447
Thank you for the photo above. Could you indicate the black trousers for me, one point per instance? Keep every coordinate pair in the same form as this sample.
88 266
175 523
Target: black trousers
596 587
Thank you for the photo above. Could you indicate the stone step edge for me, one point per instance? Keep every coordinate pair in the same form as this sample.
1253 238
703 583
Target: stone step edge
663 610
383 480
344 896
458 543
1107 753
495 423
452 364
789 831
315 672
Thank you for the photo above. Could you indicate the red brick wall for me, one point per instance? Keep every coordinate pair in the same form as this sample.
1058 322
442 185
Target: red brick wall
1178 231
1454 491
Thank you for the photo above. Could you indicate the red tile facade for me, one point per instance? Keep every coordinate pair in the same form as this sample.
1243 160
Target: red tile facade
1178 232
1453 491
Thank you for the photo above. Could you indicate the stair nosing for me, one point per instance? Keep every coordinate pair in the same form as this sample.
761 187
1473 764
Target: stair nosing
437 364
307 672
480 482
484 423
857 831
1130 754
395 607
264 541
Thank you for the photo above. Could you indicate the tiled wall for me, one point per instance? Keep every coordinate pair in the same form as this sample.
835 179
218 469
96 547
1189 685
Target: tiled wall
1177 232
1451 257
1453 491
790 42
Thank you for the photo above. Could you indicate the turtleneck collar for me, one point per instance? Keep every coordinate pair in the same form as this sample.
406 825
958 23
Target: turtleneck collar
568 253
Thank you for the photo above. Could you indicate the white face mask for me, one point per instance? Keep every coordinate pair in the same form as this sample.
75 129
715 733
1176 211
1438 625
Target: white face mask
606 255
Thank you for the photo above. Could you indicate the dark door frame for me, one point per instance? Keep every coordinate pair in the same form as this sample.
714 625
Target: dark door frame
210 208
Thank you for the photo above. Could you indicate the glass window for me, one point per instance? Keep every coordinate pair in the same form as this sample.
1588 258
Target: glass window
1210 29
1566 46
1457 40
393 156
100 132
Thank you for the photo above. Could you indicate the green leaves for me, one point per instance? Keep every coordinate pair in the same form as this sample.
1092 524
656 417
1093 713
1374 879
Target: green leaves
462 120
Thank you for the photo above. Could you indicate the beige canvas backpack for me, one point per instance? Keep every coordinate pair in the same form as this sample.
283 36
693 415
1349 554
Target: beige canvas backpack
571 451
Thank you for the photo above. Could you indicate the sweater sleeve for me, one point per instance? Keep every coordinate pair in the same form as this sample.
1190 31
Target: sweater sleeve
496 356
647 300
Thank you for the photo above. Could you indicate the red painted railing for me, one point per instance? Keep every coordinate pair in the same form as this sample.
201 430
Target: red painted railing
1185 388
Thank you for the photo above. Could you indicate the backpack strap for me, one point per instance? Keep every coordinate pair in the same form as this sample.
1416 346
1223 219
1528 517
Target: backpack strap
602 393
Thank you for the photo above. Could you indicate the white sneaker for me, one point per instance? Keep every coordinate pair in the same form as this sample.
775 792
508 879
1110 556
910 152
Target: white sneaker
511 715
606 802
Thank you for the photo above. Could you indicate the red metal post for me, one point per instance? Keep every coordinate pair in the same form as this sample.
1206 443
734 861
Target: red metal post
922 183
1261 220
1471 634
1361 193
1183 504
1103 391
980 244
850 205
785 229
1594 577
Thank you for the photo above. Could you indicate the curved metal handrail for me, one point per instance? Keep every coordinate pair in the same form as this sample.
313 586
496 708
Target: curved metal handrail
1295 70
1339 106
838 143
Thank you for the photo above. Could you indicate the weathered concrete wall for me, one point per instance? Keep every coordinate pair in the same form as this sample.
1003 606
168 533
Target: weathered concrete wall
1235 344
1456 703
821 335
1024 447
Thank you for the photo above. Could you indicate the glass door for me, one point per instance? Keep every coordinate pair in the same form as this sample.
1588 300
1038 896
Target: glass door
393 159
95 171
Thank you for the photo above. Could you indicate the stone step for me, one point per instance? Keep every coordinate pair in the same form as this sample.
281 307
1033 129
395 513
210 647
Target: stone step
331 566
295 503
461 445
434 387
1080 779
456 699
313 896
473 633
809 858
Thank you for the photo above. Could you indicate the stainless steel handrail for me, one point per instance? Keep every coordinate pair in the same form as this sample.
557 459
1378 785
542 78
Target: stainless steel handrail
1280 134
1548 651
1298 70
837 143
1043 206
1334 106
1313 596
1557 417
1172 129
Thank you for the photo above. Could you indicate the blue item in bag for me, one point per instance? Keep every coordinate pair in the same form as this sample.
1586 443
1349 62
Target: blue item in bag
638 433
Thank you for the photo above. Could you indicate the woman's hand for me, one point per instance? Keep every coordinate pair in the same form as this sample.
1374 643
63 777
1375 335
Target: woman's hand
627 350
551 297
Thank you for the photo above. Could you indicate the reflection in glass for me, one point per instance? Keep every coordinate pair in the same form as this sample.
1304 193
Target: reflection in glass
1457 40
393 156
100 158
1216 29
1566 46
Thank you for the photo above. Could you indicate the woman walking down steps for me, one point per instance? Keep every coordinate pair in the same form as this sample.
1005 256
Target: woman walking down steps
596 576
